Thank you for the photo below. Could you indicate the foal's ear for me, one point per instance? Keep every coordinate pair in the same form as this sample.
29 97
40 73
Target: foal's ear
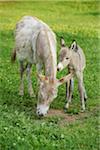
62 42
74 46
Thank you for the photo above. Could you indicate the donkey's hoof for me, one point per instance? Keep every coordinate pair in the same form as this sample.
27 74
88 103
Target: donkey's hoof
21 93
32 95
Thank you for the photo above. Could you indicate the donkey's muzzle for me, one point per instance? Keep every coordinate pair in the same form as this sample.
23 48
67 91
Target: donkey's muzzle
42 110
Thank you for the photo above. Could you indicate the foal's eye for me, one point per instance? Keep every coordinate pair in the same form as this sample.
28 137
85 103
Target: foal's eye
67 58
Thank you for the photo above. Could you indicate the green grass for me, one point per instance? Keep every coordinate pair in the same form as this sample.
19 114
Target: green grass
20 129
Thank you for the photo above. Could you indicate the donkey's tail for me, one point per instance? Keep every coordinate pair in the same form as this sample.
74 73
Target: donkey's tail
13 56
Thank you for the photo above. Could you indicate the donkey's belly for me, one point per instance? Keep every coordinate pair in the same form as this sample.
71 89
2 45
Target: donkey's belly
25 55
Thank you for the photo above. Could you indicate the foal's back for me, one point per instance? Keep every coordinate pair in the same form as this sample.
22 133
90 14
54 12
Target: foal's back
78 59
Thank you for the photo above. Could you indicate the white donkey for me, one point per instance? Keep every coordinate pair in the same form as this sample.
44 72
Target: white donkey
35 43
73 58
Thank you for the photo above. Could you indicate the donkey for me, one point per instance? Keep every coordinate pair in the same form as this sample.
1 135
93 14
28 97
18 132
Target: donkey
35 43
73 58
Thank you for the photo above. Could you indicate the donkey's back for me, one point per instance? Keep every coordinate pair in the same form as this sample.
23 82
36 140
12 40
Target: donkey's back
26 34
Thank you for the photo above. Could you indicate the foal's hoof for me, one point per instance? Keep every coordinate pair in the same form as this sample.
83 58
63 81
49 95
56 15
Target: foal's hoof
65 109
85 99
82 110
72 96
67 106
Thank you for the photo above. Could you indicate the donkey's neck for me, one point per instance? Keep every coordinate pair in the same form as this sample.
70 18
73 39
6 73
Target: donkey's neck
50 66
47 51
51 60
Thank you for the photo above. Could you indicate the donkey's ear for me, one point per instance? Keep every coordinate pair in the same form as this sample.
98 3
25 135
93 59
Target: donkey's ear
62 42
64 79
42 77
74 46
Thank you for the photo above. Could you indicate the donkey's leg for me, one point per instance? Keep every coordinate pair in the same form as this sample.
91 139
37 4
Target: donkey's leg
21 91
39 68
71 86
81 88
28 71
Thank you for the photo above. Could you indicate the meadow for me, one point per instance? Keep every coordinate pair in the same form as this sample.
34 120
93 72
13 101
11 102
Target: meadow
20 128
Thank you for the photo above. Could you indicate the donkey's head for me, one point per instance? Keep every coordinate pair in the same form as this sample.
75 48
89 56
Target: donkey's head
65 54
47 92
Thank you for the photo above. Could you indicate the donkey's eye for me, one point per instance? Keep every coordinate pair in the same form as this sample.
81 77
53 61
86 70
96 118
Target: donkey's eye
67 58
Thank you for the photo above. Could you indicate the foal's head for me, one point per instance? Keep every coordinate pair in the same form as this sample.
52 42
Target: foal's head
65 55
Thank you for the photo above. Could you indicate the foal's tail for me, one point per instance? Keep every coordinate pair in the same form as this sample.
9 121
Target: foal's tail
13 56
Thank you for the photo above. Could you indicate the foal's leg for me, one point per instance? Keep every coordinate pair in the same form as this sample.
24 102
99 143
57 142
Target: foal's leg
67 89
21 91
71 88
81 88
69 98
85 94
28 71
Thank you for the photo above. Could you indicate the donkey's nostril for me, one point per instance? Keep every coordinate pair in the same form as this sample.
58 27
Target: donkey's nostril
58 69
41 115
